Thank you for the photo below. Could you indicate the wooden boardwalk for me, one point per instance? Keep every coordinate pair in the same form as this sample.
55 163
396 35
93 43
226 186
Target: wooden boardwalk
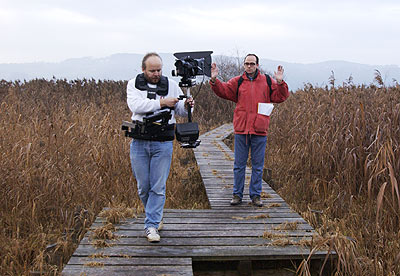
223 233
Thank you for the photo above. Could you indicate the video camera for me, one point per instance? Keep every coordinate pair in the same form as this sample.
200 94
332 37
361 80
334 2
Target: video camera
188 66
191 64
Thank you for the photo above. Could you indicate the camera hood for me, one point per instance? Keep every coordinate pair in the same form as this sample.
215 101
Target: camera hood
198 55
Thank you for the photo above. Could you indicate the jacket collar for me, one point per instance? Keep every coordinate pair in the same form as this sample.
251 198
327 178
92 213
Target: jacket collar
255 75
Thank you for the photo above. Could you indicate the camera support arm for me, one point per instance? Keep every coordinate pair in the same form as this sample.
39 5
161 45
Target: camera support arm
189 108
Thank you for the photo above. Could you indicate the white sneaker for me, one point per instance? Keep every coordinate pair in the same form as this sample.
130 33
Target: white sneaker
152 234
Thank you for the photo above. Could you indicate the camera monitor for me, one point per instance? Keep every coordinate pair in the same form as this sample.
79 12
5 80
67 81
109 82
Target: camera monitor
202 59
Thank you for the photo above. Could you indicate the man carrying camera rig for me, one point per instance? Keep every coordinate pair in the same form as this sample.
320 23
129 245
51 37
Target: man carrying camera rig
151 150
250 125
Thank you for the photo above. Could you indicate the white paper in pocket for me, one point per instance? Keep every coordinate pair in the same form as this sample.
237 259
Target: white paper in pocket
265 108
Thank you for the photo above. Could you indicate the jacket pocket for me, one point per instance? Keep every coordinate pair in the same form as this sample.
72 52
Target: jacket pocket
261 123
239 121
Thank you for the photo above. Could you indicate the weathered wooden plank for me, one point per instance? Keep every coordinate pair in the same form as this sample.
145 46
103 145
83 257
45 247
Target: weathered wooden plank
218 195
168 218
226 192
202 241
212 156
228 199
213 226
223 186
128 270
222 207
206 213
205 252
211 146
220 160
212 212
126 260
165 233
226 178
232 214
227 165
239 220
216 166
246 205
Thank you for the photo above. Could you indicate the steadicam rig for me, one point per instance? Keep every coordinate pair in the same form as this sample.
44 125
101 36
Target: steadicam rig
155 126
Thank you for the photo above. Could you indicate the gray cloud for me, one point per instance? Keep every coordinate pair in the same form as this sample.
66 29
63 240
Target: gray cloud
295 31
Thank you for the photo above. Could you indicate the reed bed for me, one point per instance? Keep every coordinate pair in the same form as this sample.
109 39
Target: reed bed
334 152
63 158
337 154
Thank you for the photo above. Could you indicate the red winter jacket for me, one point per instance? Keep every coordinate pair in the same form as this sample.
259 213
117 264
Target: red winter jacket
246 120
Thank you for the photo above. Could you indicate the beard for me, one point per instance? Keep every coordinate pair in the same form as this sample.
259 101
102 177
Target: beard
152 80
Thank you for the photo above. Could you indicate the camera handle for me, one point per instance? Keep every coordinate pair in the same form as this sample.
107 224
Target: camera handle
189 108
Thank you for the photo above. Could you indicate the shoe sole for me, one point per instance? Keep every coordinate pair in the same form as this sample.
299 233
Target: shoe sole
153 240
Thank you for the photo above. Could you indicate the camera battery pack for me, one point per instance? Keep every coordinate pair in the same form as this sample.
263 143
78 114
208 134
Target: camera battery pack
187 132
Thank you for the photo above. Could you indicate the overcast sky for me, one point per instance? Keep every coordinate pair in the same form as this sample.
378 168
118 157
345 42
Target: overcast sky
294 31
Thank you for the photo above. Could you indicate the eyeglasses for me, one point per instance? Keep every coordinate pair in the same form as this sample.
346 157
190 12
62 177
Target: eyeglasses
249 63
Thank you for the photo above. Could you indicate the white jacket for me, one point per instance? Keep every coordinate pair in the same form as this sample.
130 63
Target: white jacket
139 104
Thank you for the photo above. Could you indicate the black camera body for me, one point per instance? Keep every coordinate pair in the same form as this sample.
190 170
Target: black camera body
191 64
188 68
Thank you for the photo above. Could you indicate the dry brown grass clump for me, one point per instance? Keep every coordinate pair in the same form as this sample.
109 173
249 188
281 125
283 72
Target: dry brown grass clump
115 214
94 264
265 195
273 205
271 235
261 216
102 243
287 226
105 232
98 256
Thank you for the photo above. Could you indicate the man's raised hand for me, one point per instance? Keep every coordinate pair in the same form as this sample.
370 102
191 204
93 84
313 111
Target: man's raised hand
279 74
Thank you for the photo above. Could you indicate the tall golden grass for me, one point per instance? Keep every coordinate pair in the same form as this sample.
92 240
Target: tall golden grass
334 154
63 158
337 154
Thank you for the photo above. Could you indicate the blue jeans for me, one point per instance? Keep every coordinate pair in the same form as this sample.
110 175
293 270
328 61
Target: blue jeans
244 143
151 161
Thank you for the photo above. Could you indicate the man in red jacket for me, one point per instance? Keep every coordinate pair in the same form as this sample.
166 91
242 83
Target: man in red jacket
250 121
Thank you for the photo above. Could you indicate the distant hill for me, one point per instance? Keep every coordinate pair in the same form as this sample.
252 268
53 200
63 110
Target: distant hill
297 74
126 66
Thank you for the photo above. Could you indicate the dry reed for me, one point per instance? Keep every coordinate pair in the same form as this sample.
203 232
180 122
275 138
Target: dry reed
63 159
331 149
340 154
